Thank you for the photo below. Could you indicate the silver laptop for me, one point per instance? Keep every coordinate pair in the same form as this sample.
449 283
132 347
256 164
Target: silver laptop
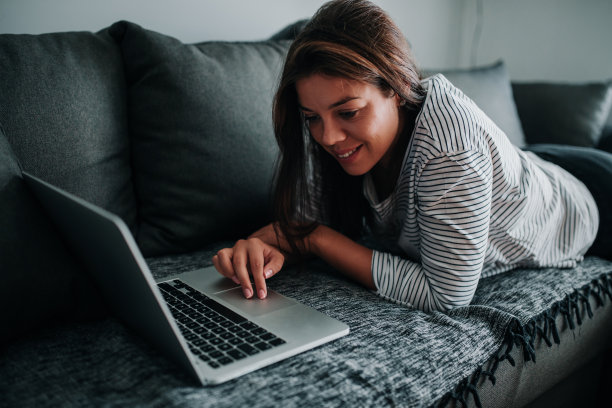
199 319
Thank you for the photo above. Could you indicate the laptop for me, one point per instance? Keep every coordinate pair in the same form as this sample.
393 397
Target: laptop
199 319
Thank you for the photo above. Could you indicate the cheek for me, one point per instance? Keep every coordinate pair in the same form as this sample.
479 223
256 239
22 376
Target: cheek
315 132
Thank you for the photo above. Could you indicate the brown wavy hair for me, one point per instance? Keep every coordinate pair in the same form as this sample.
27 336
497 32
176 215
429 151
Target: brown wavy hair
352 39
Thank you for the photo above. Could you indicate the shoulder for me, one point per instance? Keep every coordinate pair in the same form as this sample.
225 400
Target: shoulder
449 121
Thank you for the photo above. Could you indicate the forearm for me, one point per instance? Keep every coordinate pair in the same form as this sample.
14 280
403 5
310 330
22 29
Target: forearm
269 235
343 254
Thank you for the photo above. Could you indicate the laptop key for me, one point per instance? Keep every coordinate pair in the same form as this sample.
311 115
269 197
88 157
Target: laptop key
208 348
225 360
236 354
262 345
259 331
248 349
249 325
277 342
225 347
252 339
208 335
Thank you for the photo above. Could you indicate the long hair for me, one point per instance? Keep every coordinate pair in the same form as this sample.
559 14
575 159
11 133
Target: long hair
351 39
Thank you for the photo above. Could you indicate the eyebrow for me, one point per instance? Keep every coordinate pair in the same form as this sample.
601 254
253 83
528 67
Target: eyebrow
333 105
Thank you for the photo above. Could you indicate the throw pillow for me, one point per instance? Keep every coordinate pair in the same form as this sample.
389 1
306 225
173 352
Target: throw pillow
203 144
41 282
571 114
489 87
594 168
63 106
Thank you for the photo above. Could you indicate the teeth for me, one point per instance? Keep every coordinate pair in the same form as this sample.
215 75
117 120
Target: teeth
347 154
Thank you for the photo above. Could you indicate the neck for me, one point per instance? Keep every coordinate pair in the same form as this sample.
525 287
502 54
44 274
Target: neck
386 172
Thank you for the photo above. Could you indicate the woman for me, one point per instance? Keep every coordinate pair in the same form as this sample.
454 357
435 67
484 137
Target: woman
445 197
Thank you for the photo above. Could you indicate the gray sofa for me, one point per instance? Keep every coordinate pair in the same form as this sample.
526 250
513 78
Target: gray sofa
177 140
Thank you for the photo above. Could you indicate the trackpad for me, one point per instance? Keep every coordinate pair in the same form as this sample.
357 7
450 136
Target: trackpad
255 306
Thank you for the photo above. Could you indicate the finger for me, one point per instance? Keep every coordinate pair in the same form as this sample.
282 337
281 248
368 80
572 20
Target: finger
274 264
256 261
223 263
239 263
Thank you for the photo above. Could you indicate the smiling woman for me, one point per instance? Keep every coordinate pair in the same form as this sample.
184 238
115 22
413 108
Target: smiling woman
370 152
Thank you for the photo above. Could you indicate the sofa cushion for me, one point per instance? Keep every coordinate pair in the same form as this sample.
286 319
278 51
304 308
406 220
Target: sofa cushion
489 87
201 128
571 114
290 31
62 104
41 282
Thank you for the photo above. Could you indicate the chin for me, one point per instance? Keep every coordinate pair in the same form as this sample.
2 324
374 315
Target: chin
355 170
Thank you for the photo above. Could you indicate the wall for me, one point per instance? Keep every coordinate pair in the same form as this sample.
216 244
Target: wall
539 39
200 20
554 40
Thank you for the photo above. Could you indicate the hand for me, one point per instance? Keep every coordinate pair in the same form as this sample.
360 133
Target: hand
251 256
271 234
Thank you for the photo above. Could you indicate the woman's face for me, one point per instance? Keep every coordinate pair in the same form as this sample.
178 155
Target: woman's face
352 120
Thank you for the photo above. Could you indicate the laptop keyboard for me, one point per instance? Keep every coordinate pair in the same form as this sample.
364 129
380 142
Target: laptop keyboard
214 333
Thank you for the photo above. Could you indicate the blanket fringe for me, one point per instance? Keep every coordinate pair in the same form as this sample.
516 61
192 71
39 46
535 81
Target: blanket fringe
542 326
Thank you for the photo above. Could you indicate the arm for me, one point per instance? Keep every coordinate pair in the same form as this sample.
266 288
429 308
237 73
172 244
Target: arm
262 255
343 254
454 205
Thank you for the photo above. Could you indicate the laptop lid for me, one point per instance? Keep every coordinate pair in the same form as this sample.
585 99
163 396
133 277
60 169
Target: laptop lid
105 245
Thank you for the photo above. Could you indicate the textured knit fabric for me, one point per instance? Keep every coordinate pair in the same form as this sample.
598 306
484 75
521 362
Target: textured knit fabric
394 356
467 204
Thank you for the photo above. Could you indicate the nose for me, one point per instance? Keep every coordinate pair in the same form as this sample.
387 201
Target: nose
332 134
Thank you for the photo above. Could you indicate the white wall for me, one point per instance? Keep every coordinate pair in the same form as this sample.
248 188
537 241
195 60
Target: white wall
199 20
539 39
555 40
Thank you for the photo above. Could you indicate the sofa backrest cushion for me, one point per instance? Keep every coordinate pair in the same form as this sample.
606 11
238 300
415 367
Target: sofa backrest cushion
62 104
563 113
203 144
41 282
490 88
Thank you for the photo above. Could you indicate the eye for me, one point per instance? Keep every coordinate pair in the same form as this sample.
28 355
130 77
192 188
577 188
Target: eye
347 114
308 119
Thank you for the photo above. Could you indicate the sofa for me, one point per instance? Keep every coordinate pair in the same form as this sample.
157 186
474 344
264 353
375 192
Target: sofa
177 140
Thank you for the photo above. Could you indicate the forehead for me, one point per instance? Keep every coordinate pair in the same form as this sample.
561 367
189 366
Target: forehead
321 90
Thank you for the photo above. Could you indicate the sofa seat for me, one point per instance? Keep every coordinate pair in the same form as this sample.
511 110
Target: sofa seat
393 356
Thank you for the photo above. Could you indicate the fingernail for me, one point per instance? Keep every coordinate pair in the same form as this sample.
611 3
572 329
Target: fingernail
247 293
262 293
268 273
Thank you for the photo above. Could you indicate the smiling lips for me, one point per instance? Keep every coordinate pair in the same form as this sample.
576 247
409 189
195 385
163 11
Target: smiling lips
343 155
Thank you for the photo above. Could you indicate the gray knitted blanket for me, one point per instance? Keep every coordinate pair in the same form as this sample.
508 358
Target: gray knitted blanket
394 355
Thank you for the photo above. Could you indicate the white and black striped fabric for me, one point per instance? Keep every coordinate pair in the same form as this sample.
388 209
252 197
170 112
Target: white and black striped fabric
469 204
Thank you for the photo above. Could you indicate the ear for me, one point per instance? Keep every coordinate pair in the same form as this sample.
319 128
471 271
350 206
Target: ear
399 101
